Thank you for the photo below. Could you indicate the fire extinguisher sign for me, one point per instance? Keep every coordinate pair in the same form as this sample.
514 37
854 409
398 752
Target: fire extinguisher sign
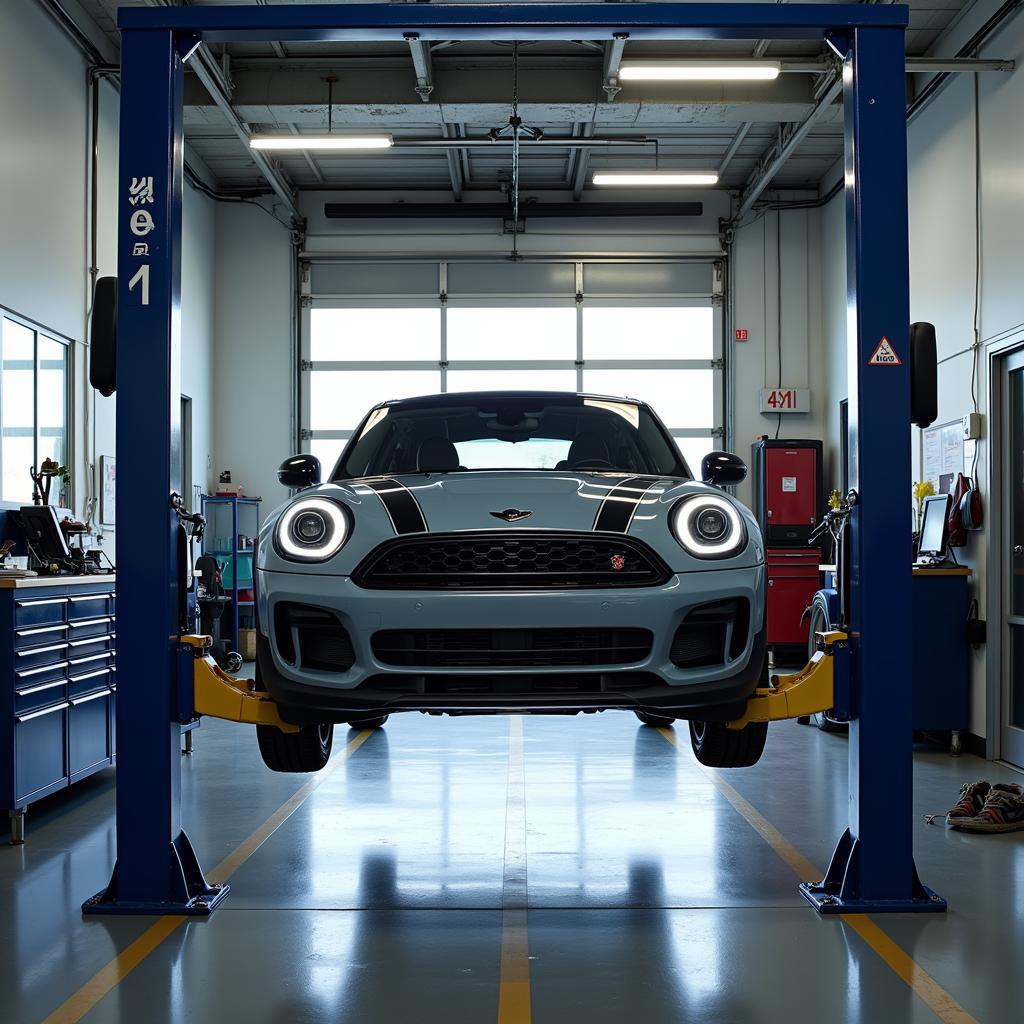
885 355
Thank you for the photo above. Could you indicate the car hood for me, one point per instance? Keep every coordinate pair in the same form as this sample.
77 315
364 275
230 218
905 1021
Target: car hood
385 507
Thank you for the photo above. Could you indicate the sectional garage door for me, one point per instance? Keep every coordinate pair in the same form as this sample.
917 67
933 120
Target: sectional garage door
375 331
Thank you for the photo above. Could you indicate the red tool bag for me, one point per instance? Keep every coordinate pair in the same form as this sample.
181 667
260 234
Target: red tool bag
965 512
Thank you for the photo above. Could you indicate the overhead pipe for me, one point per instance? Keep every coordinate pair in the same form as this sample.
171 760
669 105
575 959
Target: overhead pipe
446 211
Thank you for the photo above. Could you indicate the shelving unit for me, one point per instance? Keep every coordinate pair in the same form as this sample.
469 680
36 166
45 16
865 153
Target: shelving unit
228 520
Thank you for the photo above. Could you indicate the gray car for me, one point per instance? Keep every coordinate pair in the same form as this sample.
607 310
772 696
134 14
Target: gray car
495 552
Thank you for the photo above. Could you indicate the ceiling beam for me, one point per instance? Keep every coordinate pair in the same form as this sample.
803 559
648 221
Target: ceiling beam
734 145
789 138
612 62
420 53
310 160
582 165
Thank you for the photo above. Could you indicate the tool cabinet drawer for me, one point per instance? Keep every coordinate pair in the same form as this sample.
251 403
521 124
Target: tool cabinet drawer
88 732
43 674
81 683
87 628
40 751
39 611
31 696
77 664
40 636
39 657
87 646
90 606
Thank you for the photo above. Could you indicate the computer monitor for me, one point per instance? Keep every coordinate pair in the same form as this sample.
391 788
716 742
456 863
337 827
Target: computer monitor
44 533
934 528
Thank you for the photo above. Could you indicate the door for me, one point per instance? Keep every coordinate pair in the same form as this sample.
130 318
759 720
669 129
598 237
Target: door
1011 555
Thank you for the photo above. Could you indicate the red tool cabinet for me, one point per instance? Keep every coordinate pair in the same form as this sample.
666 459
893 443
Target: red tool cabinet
793 578
787 489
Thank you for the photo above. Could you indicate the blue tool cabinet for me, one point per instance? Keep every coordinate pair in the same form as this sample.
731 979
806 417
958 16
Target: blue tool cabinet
58 684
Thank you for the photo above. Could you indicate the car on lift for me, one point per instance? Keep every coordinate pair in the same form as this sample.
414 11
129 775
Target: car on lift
510 552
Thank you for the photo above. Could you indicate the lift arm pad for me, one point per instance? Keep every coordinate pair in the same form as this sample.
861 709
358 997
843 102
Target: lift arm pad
220 695
806 692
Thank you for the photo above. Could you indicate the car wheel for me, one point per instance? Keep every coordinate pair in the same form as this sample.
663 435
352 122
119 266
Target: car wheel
369 723
818 624
658 721
307 750
718 747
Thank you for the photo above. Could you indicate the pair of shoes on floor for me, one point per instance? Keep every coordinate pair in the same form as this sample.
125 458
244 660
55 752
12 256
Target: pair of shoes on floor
988 808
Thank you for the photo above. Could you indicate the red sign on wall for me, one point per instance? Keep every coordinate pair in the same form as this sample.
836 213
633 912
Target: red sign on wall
742 334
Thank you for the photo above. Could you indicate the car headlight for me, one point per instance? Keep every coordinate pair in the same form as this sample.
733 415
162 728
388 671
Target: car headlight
708 526
312 530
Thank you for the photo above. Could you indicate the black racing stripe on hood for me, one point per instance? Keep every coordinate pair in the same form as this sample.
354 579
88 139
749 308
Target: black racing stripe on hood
616 511
401 506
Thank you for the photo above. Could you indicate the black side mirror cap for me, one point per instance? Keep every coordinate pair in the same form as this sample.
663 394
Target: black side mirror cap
299 471
924 375
103 337
722 469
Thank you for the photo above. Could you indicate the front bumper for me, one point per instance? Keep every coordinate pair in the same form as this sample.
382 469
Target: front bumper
654 683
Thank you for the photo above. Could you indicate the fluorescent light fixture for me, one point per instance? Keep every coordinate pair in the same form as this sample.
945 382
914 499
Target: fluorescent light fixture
321 142
655 178
699 70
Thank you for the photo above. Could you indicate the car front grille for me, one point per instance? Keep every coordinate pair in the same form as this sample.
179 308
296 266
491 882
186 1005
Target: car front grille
311 638
510 648
510 560
711 634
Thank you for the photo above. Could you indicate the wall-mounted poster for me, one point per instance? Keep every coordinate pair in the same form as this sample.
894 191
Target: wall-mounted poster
942 455
108 489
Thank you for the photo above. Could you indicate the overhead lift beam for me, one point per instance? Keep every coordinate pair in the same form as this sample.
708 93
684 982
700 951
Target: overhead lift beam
157 871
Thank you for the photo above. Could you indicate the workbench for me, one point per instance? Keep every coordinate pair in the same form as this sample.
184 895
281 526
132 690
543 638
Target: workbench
57 640
938 637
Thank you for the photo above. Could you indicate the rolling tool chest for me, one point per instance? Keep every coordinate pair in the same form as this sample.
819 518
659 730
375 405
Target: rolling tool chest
57 686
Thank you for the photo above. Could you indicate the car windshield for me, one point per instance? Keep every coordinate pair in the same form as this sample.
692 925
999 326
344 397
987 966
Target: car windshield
507 431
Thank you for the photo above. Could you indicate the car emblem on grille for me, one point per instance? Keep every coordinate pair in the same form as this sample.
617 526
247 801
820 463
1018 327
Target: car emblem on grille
511 515
618 562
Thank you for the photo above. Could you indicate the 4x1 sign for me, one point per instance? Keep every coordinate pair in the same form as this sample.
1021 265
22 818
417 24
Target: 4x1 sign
885 355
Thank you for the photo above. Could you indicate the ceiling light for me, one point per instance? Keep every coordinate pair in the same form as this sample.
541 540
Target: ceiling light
699 70
322 142
655 178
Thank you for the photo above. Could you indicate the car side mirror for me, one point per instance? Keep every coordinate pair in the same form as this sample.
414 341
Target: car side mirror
924 375
722 469
299 471
103 337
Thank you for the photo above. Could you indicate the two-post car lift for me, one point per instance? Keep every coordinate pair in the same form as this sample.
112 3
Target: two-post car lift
157 871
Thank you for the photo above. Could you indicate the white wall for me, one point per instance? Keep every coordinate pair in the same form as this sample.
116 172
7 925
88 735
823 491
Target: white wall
253 360
44 243
941 145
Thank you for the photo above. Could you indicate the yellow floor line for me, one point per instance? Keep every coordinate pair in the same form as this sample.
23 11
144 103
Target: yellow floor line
514 983
938 1000
111 975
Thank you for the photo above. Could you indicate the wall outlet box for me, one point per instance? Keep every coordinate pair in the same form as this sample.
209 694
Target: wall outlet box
972 424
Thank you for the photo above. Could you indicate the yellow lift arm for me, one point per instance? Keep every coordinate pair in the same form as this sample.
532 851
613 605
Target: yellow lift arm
220 695
806 692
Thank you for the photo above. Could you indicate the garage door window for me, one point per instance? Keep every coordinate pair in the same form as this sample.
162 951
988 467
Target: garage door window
33 407
650 332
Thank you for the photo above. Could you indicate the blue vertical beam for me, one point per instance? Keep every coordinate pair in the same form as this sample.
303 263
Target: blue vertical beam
873 867
156 869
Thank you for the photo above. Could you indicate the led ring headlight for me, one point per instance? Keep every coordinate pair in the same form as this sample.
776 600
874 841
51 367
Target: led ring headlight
312 530
708 526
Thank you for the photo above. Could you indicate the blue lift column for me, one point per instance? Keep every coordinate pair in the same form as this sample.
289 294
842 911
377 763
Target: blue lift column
156 869
873 869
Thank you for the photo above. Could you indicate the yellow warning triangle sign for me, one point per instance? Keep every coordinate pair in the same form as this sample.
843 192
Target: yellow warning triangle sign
885 355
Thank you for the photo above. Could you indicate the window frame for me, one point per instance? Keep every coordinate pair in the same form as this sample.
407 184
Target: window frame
41 330
442 299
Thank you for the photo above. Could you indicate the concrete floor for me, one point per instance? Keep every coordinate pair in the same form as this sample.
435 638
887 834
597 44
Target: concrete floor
385 896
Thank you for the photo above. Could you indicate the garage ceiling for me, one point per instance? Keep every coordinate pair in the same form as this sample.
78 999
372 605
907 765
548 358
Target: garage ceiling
466 90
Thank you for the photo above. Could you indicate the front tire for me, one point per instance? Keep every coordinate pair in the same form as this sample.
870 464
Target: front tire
718 747
655 721
307 750
819 624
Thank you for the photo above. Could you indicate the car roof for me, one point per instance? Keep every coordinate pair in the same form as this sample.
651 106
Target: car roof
474 397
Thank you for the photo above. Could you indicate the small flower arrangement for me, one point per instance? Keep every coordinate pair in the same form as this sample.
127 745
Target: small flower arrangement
922 489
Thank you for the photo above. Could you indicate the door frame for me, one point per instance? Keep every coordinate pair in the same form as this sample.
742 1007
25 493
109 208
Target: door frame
998 353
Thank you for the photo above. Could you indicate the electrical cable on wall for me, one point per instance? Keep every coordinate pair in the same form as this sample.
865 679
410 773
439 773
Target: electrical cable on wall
976 347
778 306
